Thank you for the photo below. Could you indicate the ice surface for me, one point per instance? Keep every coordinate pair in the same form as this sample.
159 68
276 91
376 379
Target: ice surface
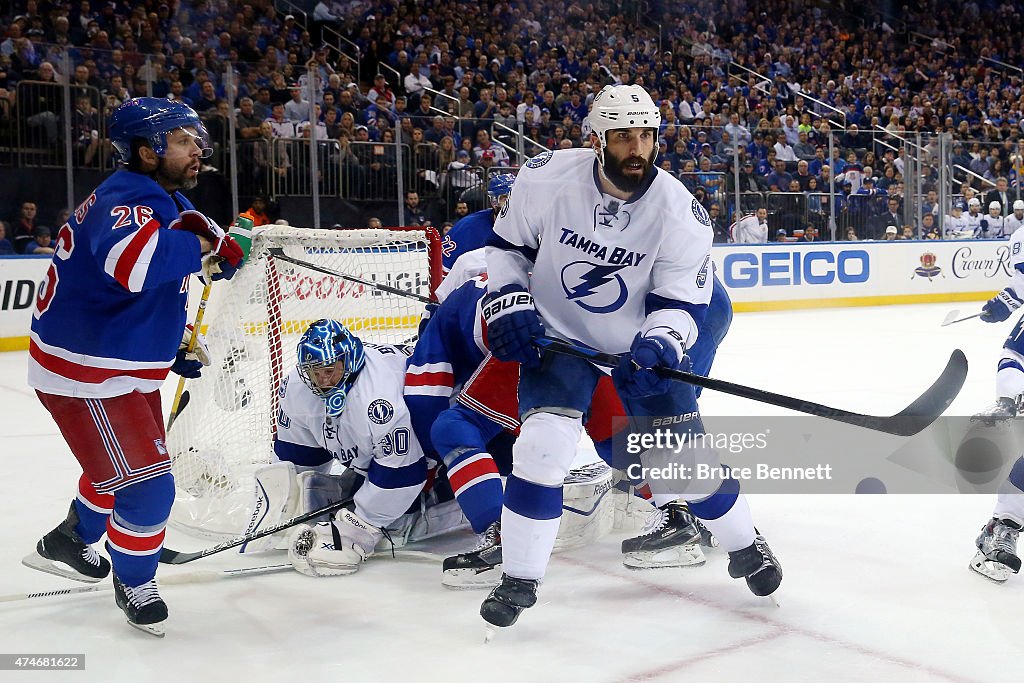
876 587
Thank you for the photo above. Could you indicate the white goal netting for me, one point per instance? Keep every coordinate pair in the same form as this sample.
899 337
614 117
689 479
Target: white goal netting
252 324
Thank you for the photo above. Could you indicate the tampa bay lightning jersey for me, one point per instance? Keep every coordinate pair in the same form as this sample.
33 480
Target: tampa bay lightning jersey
373 435
603 269
109 317
1016 245
469 233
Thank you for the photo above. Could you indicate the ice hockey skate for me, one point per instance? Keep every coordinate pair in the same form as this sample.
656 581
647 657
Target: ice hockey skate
142 605
478 568
670 538
997 556
507 601
63 553
758 565
1002 410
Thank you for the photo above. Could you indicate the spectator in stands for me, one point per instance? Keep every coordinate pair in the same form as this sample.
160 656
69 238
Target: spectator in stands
497 153
908 233
6 247
415 213
41 104
781 235
778 179
890 233
271 161
783 150
85 131
40 243
806 150
851 234
1000 194
247 121
258 211
281 127
297 108
718 223
24 226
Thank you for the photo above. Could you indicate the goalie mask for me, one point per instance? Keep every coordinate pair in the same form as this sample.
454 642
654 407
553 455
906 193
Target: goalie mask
621 106
152 118
330 357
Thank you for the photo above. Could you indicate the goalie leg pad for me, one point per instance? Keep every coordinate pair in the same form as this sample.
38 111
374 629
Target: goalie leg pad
587 507
276 499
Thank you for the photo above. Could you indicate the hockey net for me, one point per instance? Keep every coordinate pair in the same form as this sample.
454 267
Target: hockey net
252 324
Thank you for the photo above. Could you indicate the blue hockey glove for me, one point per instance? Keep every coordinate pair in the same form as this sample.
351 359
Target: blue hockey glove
189 368
998 308
635 377
512 325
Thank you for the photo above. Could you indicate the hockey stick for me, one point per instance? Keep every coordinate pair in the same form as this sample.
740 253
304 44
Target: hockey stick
181 401
951 318
168 556
278 253
202 576
911 420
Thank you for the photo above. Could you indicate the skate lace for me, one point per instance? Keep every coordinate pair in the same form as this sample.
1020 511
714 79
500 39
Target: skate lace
1004 538
655 522
91 556
144 594
488 538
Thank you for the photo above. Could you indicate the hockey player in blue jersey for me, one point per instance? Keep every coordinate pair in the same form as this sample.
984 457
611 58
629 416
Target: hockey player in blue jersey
614 254
107 328
471 233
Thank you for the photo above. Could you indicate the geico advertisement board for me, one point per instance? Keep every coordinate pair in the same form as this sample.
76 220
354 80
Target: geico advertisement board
20 279
798 275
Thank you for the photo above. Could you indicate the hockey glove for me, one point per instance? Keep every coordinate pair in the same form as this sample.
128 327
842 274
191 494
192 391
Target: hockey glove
225 255
512 325
999 307
635 376
190 365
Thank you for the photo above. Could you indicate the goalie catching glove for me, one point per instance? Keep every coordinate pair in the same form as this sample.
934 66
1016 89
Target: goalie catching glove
636 377
189 364
333 548
225 256
512 325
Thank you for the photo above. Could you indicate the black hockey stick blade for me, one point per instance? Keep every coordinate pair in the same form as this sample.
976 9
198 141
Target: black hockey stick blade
168 556
182 402
911 420
278 253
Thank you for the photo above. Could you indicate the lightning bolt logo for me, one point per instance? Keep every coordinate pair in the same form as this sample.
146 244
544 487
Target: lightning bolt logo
582 280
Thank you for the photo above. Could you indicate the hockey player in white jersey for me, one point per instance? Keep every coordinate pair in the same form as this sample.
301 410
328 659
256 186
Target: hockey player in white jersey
972 219
1015 220
614 254
955 223
343 401
996 557
993 225
751 229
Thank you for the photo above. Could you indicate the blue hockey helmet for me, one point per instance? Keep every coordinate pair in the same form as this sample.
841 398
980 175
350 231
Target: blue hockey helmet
328 344
152 118
499 186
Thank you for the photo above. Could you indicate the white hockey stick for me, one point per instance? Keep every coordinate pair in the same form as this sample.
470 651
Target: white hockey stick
951 318
202 576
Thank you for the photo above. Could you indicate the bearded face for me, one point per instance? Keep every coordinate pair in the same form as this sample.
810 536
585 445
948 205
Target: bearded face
629 157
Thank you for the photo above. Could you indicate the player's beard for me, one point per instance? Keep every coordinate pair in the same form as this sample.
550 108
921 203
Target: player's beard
613 170
179 179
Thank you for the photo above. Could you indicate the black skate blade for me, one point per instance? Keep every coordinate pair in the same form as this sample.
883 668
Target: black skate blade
36 561
157 630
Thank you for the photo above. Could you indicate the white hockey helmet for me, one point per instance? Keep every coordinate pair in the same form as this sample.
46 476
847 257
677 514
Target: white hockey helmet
621 106
995 205
1018 205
